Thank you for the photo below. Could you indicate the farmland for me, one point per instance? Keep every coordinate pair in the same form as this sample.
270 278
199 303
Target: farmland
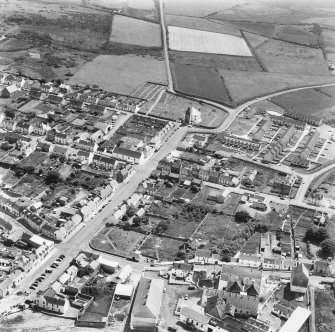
308 101
122 74
200 24
228 62
183 39
147 34
144 9
173 107
282 57
242 126
200 82
240 88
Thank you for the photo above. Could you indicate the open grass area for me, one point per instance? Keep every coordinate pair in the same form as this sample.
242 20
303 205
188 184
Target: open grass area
200 82
242 126
161 248
116 241
133 31
121 74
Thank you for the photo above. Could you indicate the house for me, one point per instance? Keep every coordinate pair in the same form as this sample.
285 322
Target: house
64 279
205 256
54 99
196 318
26 145
282 311
182 271
11 91
271 263
97 136
147 304
39 128
84 156
107 163
24 127
46 88
259 206
250 260
124 291
87 145
52 301
9 124
93 266
298 321
299 279
53 232
5 287
108 265
131 156
60 151
62 138
124 274
105 127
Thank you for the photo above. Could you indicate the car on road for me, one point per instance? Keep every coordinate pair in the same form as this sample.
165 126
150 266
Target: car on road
32 287
62 256
48 270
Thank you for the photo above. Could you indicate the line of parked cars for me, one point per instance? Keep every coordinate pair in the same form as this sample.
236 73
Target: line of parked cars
54 265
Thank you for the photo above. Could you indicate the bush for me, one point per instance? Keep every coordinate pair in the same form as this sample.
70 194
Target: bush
242 217
328 248
53 177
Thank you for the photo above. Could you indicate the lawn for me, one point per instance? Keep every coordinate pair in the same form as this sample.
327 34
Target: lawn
200 82
121 74
241 126
30 185
133 31
116 241
160 248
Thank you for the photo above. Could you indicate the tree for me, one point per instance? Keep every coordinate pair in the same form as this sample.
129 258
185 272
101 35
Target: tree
242 217
322 234
328 247
261 228
10 113
162 227
311 233
53 177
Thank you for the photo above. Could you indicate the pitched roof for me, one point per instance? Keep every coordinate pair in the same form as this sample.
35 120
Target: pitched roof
148 298
182 266
299 276
194 315
128 153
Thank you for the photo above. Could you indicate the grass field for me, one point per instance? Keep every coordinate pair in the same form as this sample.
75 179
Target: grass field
229 62
243 86
122 74
241 126
160 248
282 57
116 241
254 39
200 82
308 101
133 31
200 24
190 40
143 9
300 34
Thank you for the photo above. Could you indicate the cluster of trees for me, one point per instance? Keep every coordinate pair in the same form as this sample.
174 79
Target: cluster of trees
320 236
194 213
242 217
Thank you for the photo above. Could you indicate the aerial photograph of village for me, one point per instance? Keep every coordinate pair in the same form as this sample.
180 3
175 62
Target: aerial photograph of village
167 165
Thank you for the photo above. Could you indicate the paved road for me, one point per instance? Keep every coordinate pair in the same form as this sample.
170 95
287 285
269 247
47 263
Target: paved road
312 308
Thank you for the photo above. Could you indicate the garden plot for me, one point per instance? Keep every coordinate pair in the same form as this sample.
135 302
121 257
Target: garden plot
241 126
132 31
190 40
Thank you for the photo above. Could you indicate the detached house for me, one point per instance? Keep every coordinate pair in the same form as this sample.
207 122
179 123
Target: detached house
105 162
60 151
204 256
11 91
9 124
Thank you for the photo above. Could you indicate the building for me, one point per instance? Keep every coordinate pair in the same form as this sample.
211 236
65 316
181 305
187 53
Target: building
196 318
239 142
310 119
50 300
87 145
24 127
62 138
182 271
297 321
192 115
107 163
147 303
131 156
124 291
11 91
250 260
205 256
299 279
285 121
108 265
283 183
321 267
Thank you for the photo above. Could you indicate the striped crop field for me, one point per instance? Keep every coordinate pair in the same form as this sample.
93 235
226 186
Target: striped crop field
190 40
